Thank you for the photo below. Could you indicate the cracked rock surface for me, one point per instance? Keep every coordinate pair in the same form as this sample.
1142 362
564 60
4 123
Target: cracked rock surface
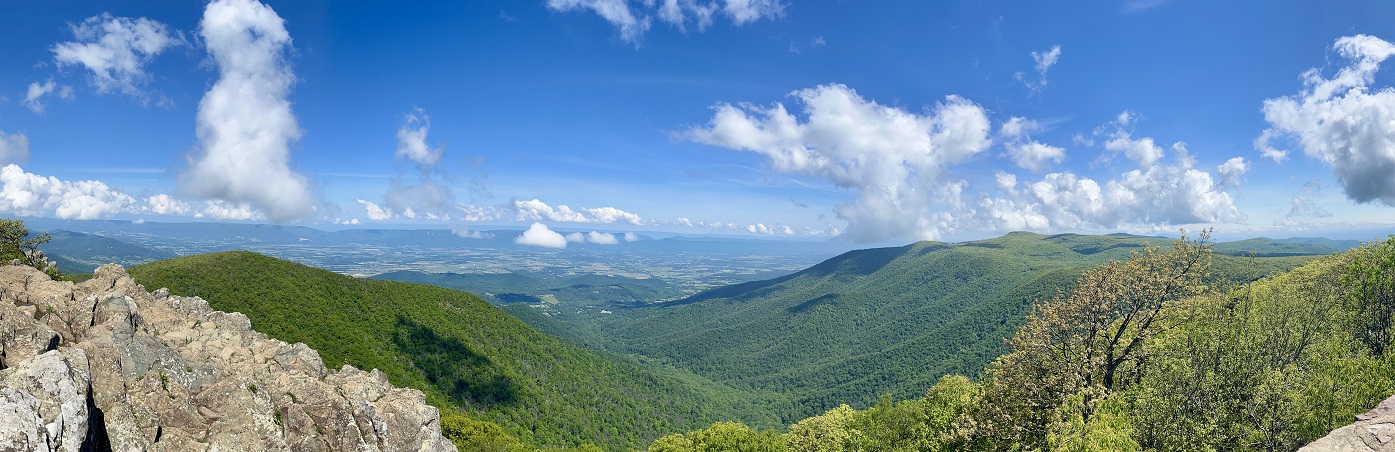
1373 431
107 365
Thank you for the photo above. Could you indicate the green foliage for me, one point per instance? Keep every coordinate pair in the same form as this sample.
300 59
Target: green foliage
1107 429
927 424
16 245
461 351
722 437
1083 344
482 436
1372 278
832 431
1269 366
868 322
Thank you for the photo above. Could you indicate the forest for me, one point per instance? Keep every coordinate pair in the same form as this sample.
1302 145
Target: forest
1146 353
875 321
1102 343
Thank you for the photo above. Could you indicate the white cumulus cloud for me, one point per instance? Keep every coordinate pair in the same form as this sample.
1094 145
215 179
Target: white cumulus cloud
29 194
536 210
374 212
602 238
539 235
895 160
1232 171
224 210
1156 195
599 238
608 215
163 204
115 49
245 123
1027 154
1342 121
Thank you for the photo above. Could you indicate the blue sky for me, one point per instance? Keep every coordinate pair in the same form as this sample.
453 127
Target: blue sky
869 121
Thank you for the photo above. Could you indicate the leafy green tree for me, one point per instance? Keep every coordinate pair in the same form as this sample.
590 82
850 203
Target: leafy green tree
1268 366
830 432
948 402
1080 343
483 436
17 246
1107 430
1372 278
722 437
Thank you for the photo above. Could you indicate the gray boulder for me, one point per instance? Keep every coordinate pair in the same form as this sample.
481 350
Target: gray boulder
106 363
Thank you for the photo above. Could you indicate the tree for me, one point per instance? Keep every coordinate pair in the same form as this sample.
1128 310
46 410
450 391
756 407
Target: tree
470 434
1079 344
18 248
722 437
1372 280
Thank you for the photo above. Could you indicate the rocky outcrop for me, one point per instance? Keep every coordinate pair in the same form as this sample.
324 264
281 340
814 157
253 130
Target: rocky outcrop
107 365
1373 431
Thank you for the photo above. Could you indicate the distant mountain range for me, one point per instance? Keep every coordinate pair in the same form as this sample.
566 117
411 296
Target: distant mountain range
236 235
75 252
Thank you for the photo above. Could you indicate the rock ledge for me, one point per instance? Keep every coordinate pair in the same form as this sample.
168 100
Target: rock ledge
107 365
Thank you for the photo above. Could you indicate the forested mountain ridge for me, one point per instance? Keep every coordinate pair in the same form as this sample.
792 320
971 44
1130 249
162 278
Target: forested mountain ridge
876 321
1149 354
461 351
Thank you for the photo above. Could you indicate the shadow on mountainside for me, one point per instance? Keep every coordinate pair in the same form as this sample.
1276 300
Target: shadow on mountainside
449 364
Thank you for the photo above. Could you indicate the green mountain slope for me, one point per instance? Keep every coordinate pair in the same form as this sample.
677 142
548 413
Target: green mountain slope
1264 366
457 348
871 322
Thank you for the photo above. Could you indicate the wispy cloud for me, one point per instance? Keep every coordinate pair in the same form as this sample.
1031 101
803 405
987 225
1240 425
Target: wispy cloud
34 96
1044 61
114 50
1136 6
634 18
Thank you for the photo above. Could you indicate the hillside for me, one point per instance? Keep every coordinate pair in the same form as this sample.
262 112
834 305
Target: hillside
1269 365
872 322
76 252
460 350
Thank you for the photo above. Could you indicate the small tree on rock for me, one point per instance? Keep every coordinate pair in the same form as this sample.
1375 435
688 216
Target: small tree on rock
17 248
